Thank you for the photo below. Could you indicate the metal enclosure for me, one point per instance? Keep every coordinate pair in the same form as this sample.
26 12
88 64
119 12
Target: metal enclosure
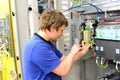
107 39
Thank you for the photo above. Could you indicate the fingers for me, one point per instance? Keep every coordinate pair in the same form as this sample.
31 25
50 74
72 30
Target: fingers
75 48
83 44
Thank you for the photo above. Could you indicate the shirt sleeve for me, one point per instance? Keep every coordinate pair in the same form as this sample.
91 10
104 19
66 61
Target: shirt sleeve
45 58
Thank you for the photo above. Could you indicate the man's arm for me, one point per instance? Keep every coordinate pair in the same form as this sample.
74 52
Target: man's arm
67 61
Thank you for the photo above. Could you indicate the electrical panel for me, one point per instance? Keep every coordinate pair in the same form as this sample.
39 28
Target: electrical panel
107 41
96 22
108 38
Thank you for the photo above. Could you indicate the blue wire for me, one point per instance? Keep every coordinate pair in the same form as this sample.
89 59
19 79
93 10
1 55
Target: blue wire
99 15
98 9
72 7
84 4
95 7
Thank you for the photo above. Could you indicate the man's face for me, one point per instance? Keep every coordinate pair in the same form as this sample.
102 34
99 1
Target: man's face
58 33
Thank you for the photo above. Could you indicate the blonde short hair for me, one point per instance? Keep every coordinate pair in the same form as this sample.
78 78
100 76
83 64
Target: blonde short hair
52 18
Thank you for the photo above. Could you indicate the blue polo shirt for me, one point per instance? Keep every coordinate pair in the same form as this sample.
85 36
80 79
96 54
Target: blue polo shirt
40 58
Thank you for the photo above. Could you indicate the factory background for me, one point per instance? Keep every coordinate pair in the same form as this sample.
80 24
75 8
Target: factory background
96 22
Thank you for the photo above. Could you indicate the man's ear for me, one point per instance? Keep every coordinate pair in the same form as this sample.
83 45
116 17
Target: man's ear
52 29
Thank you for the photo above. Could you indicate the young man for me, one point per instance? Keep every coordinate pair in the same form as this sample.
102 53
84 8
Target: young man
42 60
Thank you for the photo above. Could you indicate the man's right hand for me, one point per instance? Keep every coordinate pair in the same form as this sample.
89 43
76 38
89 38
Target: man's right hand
75 49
